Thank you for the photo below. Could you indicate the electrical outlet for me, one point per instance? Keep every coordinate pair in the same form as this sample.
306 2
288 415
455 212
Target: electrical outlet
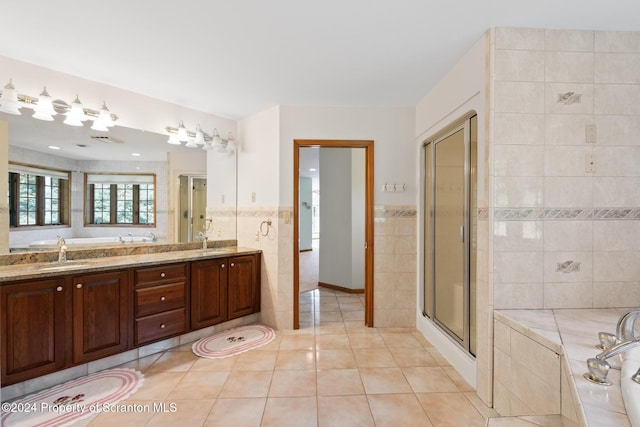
222 198
257 236
287 218
590 163
590 134
253 197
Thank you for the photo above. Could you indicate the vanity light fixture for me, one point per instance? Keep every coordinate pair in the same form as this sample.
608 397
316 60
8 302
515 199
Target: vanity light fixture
199 138
45 108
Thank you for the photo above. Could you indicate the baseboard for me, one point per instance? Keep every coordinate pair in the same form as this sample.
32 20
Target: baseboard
340 288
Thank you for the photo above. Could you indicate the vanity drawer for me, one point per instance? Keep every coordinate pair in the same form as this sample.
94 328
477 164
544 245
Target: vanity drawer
165 273
158 326
159 298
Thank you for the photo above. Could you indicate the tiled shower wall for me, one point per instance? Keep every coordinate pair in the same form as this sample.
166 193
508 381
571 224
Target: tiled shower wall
394 263
565 126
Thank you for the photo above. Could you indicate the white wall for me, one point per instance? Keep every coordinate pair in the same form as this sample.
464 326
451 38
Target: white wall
4 188
391 129
358 187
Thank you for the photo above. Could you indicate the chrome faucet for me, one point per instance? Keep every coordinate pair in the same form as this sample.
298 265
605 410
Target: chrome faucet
153 236
130 235
626 323
611 345
62 249
203 237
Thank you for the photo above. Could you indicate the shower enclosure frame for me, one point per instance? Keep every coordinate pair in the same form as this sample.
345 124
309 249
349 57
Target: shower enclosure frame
467 125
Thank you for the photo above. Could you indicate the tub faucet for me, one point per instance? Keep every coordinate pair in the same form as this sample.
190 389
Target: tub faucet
130 235
626 323
62 250
612 345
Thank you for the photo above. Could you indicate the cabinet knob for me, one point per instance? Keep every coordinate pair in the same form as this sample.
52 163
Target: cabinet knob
222 266
162 326
162 298
232 264
59 289
79 286
162 274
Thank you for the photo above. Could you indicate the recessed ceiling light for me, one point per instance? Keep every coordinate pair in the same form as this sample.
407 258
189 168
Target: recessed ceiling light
53 147
312 169
136 154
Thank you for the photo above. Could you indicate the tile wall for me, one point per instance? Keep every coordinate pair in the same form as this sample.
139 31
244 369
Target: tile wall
565 147
394 263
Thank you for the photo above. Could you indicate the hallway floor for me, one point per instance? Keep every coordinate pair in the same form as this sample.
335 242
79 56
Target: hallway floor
331 372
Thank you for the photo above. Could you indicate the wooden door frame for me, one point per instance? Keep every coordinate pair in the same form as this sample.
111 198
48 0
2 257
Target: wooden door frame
369 243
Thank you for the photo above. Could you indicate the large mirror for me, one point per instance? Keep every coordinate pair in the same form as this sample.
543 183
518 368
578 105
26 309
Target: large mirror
155 168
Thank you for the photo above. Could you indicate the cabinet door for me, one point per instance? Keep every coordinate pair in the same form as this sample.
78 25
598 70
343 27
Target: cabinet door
208 292
33 329
244 285
100 315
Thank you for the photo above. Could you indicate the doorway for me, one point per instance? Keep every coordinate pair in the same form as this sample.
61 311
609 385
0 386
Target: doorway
367 242
450 220
193 206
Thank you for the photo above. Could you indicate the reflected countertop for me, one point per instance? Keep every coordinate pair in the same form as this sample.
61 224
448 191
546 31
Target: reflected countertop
80 265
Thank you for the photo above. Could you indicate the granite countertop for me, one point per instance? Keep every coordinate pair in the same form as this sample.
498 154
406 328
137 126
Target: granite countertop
573 333
34 270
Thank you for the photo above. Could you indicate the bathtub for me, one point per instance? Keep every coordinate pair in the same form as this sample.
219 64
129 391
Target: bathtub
631 389
85 242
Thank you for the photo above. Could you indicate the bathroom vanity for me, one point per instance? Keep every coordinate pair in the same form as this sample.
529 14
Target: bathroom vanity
59 315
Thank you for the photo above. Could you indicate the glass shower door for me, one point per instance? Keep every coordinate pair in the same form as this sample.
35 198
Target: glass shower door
449 280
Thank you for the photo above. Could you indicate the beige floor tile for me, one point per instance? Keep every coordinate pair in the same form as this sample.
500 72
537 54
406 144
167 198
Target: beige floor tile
418 356
199 385
366 341
335 359
400 339
273 345
298 342
460 382
484 410
246 384
295 359
450 409
330 329
353 316
290 411
392 410
374 358
157 385
236 413
293 384
220 364
384 381
141 364
339 382
347 411
439 358
256 361
429 380
329 316
332 342
173 361
187 413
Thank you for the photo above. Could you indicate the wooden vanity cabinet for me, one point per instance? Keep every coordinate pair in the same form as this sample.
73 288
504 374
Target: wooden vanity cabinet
243 286
100 315
208 292
34 323
223 289
160 302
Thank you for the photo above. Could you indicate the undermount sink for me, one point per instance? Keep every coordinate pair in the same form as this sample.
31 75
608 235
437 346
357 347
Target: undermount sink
61 266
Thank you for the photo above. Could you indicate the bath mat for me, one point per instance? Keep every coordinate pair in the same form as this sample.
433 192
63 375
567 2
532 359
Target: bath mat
67 403
233 341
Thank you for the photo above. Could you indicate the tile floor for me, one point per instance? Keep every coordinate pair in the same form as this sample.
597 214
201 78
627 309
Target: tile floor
331 372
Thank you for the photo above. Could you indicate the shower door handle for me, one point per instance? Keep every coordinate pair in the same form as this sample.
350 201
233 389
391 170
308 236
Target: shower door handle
462 233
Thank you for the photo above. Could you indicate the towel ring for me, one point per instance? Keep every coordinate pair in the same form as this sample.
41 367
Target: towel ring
268 224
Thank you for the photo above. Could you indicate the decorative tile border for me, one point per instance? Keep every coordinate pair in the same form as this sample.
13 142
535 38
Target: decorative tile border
562 214
390 211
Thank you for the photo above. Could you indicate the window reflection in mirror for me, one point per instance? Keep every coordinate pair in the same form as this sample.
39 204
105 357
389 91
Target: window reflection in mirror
38 196
120 199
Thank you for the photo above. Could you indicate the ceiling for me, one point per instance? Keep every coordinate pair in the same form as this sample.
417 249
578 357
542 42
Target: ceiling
236 58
